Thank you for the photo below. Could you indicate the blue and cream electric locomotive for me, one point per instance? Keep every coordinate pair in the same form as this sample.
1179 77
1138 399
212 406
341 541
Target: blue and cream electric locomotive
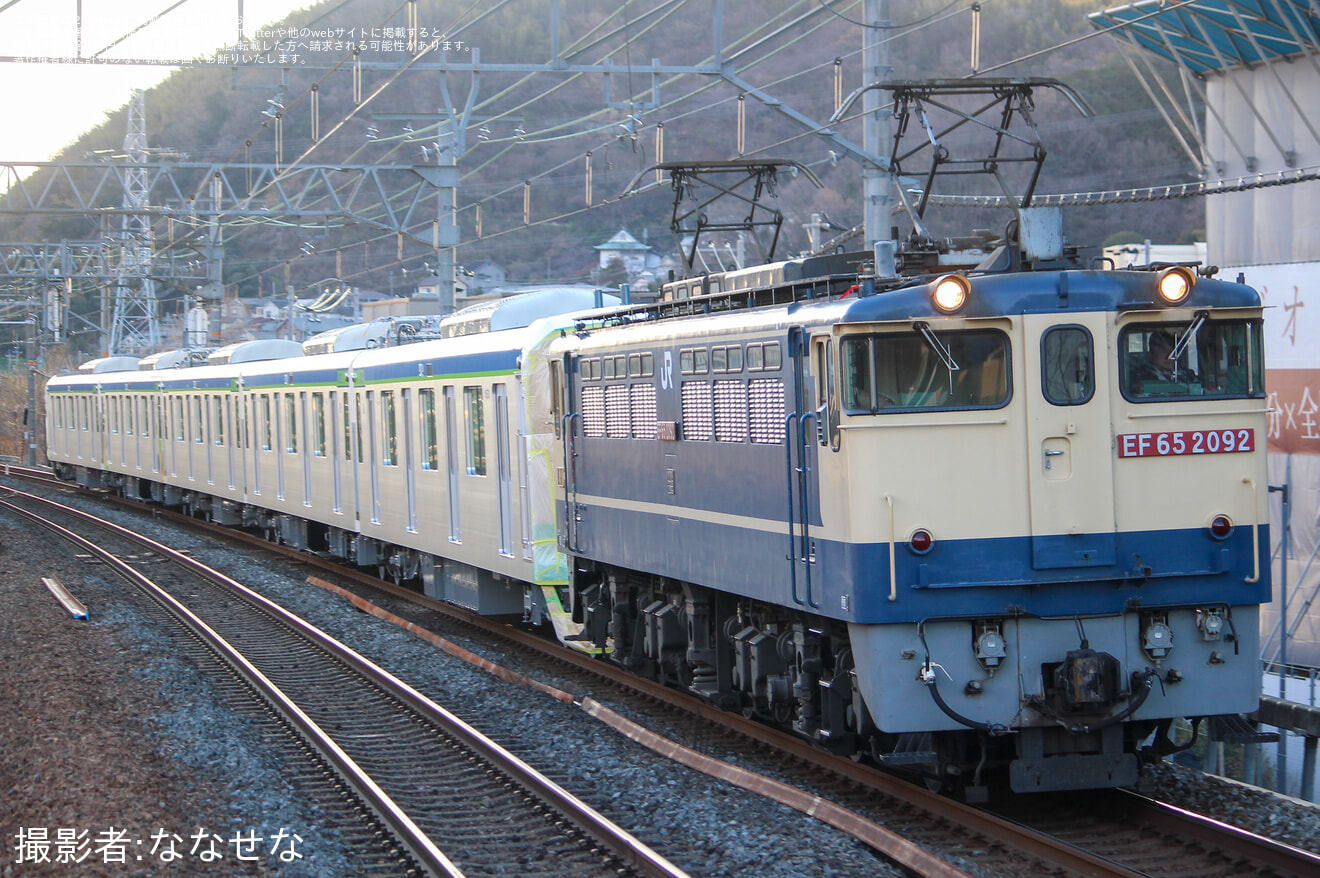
961 521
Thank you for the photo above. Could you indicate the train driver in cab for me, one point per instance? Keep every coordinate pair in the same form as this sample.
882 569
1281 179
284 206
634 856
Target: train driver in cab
1157 366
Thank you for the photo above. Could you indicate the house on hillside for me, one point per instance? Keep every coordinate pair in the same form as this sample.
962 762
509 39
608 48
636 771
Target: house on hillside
640 260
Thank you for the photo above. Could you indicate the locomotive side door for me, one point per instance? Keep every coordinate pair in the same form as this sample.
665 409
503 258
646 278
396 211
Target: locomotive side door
1070 462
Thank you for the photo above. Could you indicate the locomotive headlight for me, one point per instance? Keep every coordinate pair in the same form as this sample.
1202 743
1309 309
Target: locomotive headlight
1156 636
949 293
1211 622
989 644
1175 284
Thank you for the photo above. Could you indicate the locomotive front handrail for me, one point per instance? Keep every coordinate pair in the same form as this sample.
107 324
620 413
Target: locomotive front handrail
893 563
804 555
1189 413
902 419
789 423
804 486
1255 531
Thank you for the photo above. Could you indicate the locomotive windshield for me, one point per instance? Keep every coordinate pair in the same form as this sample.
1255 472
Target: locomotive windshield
904 371
1203 359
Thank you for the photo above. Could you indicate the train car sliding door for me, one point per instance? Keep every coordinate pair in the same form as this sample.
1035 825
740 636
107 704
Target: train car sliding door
1070 462
451 463
409 465
503 469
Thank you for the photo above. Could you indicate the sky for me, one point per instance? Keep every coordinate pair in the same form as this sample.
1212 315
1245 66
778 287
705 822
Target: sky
53 103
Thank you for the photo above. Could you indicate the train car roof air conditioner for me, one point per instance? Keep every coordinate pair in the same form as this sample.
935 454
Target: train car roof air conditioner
253 351
109 364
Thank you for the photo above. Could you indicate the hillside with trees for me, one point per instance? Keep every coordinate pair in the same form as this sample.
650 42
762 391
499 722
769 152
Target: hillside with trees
533 136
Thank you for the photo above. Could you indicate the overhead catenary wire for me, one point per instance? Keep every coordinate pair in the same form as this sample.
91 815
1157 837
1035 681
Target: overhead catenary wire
534 138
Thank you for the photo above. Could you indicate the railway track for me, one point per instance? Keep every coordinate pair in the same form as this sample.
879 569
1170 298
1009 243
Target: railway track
416 770
1099 834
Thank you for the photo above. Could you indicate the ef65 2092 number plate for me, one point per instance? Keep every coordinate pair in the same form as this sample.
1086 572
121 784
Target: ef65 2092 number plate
1186 442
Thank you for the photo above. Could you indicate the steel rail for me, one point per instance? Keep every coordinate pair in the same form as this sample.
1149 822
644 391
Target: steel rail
1278 858
626 847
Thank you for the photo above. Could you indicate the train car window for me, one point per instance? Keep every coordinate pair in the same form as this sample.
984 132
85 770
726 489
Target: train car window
475 416
609 367
826 391
641 365
318 424
719 359
735 358
755 358
1067 365
219 421
199 435
899 372
773 358
291 423
713 285
146 417
430 443
557 395
114 415
1202 359
348 430
357 405
692 361
391 457
266 426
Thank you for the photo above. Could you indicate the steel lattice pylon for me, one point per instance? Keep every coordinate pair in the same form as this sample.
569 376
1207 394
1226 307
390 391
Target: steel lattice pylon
135 326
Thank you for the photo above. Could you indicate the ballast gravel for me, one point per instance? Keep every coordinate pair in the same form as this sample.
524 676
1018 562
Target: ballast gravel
223 777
